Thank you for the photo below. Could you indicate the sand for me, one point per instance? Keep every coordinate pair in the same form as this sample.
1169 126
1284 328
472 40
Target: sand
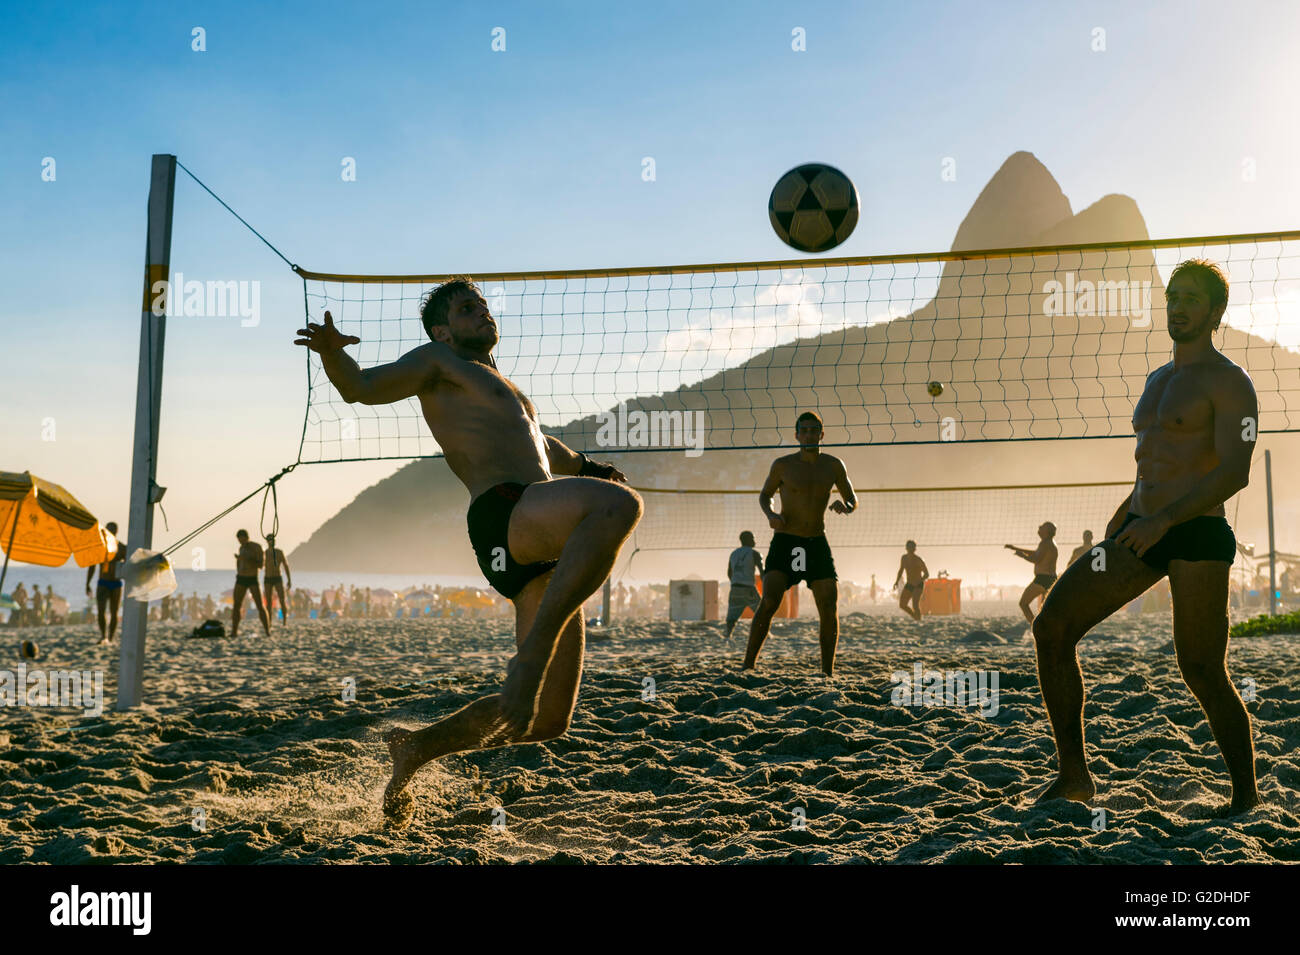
246 752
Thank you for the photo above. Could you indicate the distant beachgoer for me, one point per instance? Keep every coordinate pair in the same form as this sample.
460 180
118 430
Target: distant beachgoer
49 603
742 566
108 591
247 562
799 549
1043 557
1082 549
272 581
1195 426
917 574
874 590
38 606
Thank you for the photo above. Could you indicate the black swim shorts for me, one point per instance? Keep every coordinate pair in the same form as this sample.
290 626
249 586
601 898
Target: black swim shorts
245 580
1045 580
811 554
489 533
1202 538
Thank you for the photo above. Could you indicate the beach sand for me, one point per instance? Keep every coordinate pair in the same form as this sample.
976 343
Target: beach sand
246 752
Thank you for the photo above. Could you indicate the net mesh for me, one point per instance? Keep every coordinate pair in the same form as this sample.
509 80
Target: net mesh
1027 344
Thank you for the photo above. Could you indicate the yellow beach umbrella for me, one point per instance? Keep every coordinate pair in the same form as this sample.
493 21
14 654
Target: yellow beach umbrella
41 523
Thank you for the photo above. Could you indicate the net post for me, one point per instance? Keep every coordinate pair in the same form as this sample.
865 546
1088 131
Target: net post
1272 551
148 397
604 603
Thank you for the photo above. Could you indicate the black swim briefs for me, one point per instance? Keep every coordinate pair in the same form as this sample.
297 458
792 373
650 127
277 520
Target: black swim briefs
814 557
489 533
1045 580
245 580
273 580
1202 538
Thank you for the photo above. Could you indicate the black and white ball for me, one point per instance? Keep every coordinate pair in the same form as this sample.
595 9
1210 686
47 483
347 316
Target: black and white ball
813 207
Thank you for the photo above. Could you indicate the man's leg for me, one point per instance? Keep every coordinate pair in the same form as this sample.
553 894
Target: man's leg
915 596
480 724
237 609
583 522
284 605
101 603
256 591
826 596
1032 592
775 584
114 602
1080 600
1200 602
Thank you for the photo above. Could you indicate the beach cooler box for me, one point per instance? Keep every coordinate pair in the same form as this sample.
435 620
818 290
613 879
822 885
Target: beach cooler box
692 600
789 608
942 595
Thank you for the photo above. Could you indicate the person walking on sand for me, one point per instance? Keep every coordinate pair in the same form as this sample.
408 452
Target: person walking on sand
108 591
247 562
917 574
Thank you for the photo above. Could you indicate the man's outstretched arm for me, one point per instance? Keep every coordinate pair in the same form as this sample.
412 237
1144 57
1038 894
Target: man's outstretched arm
414 372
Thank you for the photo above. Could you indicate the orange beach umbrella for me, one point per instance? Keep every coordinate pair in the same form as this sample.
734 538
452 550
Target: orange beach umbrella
41 523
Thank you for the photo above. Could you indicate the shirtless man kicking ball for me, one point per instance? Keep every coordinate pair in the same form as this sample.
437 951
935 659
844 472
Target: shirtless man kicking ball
545 544
1196 424
799 550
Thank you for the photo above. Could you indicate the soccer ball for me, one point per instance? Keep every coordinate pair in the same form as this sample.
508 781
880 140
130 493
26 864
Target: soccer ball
28 650
935 388
813 207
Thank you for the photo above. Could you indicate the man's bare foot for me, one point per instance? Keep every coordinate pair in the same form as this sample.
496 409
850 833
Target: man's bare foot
1238 806
1074 789
399 805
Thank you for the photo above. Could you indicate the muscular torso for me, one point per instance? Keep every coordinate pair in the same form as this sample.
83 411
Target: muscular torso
1045 563
246 559
805 490
486 427
109 568
1174 423
912 565
273 562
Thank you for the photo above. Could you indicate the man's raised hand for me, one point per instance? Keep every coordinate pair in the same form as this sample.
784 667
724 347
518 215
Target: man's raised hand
323 338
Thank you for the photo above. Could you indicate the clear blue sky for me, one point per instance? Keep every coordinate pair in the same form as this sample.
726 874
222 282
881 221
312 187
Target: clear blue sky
474 160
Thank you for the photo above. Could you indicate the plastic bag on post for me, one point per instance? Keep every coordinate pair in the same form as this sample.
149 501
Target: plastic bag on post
148 575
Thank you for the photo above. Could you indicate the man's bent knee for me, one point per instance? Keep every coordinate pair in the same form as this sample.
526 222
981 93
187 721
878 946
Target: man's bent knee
1049 631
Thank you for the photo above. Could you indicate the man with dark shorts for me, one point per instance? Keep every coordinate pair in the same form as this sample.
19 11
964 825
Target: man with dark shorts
743 566
799 550
272 582
108 592
917 574
1196 426
1043 557
1082 549
544 543
247 562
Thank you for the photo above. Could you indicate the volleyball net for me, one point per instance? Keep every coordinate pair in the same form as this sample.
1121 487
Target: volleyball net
1022 344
